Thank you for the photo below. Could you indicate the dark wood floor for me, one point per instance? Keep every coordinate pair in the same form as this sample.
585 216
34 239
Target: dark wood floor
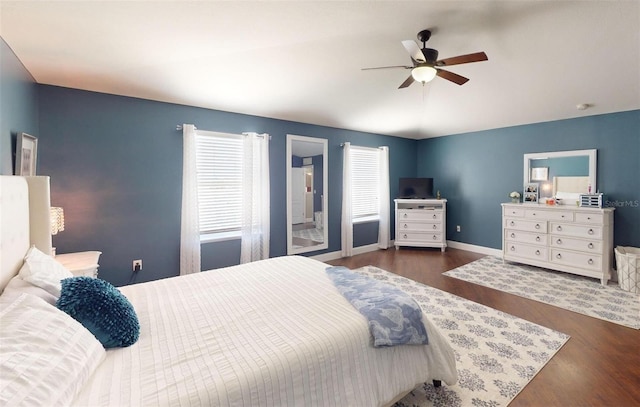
598 366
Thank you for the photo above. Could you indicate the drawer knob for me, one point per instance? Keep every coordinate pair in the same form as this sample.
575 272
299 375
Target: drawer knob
434 216
512 223
405 215
405 235
534 214
559 228
590 245
537 226
405 226
590 261
435 237
513 249
562 216
435 227
513 212
559 241
537 238
537 252
588 217
513 235
558 256
590 231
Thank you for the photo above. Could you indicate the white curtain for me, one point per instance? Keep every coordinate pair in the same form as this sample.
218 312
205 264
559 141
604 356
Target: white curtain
189 230
255 198
383 228
347 218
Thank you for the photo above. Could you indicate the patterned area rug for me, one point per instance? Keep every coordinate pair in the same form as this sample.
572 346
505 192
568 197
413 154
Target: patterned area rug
574 293
497 354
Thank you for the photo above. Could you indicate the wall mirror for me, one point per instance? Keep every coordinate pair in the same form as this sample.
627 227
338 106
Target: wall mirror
306 194
562 174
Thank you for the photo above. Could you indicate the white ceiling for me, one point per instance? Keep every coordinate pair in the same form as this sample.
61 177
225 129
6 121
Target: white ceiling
302 61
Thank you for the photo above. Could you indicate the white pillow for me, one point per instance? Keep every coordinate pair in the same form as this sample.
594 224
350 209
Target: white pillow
43 271
47 356
18 286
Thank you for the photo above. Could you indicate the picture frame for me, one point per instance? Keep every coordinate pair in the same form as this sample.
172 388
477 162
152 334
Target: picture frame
26 155
540 174
531 192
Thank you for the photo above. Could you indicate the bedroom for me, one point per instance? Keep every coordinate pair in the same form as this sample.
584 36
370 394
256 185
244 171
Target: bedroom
100 149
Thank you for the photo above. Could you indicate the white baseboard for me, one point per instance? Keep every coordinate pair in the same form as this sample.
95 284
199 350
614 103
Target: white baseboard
373 247
473 248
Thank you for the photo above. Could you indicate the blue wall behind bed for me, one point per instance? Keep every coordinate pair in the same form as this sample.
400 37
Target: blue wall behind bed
18 105
476 171
116 168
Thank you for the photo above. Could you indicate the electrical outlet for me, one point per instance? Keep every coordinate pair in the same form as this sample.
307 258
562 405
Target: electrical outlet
137 265
458 228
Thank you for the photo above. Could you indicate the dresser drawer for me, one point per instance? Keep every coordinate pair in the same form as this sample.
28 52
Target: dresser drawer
591 218
526 225
564 229
591 246
419 226
574 259
548 215
525 237
417 237
420 214
540 253
514 212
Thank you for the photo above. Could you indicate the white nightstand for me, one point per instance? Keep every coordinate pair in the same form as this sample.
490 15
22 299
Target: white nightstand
80 263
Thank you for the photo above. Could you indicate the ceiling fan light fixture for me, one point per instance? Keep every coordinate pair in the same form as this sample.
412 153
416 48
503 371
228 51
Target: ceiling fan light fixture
424 74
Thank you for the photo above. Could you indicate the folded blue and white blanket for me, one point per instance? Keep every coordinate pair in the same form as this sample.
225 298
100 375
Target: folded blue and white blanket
394 317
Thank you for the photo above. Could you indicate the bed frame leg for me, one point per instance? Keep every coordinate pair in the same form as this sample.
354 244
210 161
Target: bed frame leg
437 383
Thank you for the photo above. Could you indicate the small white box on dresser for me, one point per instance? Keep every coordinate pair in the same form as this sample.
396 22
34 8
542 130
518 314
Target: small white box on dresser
572 239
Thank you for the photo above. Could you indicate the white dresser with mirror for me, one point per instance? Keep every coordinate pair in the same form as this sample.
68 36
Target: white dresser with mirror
564 237
559 237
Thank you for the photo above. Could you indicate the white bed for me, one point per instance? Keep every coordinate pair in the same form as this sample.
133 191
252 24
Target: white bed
269 333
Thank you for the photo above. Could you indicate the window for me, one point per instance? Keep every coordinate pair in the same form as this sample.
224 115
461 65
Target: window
219 159
365 183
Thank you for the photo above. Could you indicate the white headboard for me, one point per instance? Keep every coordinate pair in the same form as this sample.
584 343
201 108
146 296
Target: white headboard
24 221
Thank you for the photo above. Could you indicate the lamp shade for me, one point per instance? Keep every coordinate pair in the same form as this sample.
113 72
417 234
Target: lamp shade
57 220
424 74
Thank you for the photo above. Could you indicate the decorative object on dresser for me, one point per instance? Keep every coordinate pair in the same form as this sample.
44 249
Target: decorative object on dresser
592 200
421 223
564 238
531 192
81 263
515 196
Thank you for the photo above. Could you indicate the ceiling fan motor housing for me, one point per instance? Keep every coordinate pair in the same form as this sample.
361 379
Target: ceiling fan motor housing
431 55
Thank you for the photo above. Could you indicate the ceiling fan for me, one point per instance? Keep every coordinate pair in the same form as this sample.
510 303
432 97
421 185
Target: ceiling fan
426 65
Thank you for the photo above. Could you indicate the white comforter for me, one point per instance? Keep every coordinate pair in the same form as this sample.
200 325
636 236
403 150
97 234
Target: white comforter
269 333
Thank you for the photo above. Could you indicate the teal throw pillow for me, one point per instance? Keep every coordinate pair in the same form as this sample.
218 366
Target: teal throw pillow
102 309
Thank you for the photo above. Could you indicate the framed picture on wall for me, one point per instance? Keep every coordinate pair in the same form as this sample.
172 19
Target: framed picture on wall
26 154
531 192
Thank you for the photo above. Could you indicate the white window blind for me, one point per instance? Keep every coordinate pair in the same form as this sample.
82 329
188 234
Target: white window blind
219 167
365 182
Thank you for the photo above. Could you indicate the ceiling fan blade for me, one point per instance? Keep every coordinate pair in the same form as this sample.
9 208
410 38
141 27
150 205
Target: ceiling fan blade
453 77
387 67
406 83
414 51
463 59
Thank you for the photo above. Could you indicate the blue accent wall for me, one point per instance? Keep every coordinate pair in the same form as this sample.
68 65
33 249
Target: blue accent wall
476 171
18 106
116 168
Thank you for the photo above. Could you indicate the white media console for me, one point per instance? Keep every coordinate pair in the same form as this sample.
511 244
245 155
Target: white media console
421 223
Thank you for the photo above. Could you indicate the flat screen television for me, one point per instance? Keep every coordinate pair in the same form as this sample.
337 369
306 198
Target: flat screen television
416 188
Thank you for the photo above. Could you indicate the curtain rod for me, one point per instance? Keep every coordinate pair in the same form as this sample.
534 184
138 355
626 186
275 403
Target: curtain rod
179 128
342 145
